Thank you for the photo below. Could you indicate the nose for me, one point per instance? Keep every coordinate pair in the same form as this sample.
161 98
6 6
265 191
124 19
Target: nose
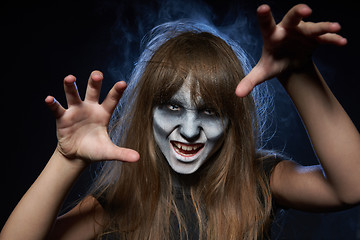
190 127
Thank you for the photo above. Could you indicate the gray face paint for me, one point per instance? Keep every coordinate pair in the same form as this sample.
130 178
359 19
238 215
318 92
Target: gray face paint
187 135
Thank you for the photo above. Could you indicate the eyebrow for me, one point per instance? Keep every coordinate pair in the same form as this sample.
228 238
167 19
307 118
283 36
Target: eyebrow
200 106
174 101
177 98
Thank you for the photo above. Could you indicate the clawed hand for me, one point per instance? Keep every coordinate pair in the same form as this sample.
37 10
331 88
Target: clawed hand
82 128
288 45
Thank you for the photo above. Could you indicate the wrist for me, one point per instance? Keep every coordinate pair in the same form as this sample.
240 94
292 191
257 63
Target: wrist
299 70
72 163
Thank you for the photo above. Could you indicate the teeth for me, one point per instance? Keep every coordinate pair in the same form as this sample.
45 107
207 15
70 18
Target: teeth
187 147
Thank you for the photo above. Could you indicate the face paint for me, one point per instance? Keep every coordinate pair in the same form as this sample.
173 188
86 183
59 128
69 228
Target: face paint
186 134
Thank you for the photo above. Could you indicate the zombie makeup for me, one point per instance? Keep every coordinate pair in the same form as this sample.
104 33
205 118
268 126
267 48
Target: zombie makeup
187 133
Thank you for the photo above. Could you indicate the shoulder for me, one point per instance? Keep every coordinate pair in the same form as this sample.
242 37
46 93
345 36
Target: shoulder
268 160
84 221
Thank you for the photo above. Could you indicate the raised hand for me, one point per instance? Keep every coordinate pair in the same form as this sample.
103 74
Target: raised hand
288 45
82 128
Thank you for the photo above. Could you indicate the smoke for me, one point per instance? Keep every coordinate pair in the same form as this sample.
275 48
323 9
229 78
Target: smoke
135 18
236 20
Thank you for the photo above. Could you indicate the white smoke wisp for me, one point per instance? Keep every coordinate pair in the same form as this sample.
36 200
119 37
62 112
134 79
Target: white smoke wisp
136 18
141 28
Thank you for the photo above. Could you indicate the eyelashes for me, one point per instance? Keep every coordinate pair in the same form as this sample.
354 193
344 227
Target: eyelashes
210 112
173 107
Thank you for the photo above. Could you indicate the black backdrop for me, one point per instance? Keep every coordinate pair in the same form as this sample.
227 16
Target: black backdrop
44 42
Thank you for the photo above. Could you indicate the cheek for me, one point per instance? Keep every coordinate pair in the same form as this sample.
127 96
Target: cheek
214 129
163 124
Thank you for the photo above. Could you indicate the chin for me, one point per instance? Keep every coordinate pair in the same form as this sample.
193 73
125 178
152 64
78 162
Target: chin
184 168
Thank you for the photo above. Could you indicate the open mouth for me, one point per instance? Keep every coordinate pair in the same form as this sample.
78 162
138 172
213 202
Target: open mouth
187 150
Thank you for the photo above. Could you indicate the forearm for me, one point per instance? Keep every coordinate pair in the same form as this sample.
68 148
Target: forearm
335 139
36 212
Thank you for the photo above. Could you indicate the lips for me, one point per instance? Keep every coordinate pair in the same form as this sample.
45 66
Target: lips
187 150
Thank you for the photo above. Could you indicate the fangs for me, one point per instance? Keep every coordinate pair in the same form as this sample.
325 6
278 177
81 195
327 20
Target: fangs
187 150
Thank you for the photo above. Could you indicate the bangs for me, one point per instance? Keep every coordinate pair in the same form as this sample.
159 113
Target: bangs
205 62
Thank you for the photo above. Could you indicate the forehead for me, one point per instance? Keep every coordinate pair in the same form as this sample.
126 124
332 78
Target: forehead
184 96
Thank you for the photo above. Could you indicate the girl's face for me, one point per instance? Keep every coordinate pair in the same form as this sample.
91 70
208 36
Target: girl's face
187 133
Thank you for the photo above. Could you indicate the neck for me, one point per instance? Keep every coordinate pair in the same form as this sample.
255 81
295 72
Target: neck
185 180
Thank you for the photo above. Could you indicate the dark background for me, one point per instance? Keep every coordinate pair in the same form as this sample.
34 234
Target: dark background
44 42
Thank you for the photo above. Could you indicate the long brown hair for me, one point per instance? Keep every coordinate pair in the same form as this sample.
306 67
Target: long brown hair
231 194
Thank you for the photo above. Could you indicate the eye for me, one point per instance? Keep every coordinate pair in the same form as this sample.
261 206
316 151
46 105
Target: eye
173 107
209 112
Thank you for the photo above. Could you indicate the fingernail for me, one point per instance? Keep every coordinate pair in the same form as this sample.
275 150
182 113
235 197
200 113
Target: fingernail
97 73
70 79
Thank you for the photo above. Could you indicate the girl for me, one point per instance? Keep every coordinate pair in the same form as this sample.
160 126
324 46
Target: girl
191 164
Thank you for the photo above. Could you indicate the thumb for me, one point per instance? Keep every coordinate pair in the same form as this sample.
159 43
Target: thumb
247 84
121 154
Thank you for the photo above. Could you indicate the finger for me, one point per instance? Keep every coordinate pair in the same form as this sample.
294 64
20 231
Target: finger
332 38
295 15
266 20
316 29
54 106
114 96
247 84
94 86
71 92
